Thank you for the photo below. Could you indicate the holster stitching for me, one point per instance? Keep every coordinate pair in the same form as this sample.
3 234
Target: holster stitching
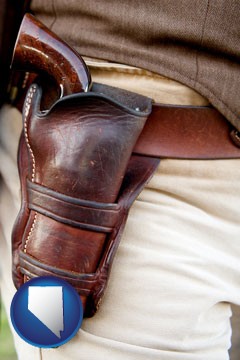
26 113
27 107
30 232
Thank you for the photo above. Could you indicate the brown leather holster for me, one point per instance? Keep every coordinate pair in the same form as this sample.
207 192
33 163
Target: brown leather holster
78 180
83 162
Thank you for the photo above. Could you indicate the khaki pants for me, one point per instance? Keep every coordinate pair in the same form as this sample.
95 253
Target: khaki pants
177 269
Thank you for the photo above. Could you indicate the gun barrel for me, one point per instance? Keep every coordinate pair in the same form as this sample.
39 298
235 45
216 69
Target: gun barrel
39 50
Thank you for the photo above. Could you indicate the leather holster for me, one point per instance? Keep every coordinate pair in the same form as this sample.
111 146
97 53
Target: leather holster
78 180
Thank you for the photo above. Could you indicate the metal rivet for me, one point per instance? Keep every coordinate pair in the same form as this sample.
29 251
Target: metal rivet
235 136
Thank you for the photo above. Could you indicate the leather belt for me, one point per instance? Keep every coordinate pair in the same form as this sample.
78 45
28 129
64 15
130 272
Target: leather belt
186 132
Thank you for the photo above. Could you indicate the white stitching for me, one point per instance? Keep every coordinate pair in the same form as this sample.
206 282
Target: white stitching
26 113
30 232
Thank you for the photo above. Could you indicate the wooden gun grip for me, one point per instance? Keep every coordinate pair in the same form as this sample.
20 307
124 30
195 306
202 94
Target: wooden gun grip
39 50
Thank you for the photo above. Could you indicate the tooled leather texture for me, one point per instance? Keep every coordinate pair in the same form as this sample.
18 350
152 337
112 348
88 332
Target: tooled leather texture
78 180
